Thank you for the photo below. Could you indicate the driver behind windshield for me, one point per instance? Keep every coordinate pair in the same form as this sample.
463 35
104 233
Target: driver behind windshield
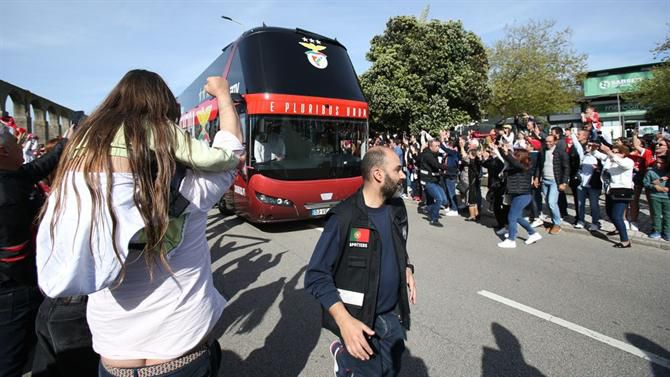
268 144
324 147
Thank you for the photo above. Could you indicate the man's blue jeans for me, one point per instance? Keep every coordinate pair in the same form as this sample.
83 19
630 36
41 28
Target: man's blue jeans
439 197
550 191
450 185
18 308
519 202
536 202
593 195
388 345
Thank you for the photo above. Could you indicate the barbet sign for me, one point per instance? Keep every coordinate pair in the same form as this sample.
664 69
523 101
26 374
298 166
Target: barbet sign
613 84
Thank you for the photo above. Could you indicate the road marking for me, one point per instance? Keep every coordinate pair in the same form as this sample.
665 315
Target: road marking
646 355
319 228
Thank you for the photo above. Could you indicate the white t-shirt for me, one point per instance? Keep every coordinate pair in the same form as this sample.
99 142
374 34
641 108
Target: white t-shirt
140 319
272 149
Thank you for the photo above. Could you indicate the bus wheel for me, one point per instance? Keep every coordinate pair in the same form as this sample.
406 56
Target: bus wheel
226 204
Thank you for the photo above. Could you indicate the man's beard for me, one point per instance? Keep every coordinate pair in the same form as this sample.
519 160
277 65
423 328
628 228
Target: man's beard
391 189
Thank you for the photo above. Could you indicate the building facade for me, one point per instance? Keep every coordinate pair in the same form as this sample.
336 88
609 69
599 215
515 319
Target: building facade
606 90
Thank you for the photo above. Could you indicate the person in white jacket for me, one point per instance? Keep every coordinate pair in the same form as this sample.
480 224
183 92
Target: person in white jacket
618 184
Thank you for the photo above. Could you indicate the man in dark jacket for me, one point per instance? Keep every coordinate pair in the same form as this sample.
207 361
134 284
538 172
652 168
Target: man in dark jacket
496 187
19 205
430 177
449 160
359 271
554 172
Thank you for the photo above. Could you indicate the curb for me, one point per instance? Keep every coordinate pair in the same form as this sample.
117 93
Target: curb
632 236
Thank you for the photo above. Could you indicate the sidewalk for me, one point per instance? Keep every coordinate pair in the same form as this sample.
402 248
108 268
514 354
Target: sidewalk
644 223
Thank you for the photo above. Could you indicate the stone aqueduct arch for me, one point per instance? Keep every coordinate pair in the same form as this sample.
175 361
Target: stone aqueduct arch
59 117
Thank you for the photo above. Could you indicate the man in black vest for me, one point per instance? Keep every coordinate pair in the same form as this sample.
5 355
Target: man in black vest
359 271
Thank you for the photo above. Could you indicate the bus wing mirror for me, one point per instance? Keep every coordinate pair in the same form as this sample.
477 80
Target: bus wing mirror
240 103
237 98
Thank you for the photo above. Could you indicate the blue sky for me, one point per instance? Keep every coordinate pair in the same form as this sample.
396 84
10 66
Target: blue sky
74 52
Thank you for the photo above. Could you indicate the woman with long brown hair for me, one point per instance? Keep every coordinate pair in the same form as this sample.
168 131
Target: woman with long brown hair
107 232
519 180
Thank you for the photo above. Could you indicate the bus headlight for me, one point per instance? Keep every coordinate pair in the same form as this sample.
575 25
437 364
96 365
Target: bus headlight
267 199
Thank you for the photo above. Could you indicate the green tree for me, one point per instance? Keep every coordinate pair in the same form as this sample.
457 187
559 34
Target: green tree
534 69
654 94
425 75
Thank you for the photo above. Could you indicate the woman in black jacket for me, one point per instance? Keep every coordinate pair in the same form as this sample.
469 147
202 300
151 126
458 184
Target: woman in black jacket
519 179
496 188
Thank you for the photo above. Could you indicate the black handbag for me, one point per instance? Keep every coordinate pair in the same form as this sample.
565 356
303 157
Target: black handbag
575 180
621 193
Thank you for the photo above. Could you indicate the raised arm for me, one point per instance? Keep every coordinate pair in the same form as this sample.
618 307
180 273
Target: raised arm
577 145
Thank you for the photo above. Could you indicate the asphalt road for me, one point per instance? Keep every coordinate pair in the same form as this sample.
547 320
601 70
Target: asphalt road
570 305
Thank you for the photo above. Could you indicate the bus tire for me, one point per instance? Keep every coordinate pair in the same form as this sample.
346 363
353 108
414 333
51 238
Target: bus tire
226 204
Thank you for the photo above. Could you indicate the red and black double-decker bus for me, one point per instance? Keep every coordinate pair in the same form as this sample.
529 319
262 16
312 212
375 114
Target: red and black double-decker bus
304 122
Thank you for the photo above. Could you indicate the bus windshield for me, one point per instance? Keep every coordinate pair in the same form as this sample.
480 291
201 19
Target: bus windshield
302 148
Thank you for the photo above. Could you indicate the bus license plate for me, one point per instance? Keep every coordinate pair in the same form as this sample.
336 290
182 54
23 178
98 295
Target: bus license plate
320 211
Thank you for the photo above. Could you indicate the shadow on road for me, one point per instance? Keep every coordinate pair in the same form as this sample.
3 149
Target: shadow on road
233 242
507 360
652 350
291 226
412 366
222 226
288 347
231 281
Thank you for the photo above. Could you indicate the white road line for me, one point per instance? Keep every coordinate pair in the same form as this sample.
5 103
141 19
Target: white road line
646 355
319 228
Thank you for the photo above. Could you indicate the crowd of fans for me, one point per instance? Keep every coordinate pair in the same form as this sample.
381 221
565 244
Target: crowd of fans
530 170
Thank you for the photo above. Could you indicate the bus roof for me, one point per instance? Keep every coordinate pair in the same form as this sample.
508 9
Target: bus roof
274 60
275 29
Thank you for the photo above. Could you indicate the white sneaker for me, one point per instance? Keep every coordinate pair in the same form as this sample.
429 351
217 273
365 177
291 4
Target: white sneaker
452 213
536 223
533 238
579 225
507 244
633 227
526 218
502 231
594 227
544 218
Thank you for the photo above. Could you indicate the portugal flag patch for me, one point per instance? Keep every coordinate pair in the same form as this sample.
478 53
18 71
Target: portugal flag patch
359 235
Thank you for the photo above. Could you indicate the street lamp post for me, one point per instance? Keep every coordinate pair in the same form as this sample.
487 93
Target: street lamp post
232 20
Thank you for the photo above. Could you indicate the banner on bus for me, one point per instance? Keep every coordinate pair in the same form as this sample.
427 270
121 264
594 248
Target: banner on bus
284 104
